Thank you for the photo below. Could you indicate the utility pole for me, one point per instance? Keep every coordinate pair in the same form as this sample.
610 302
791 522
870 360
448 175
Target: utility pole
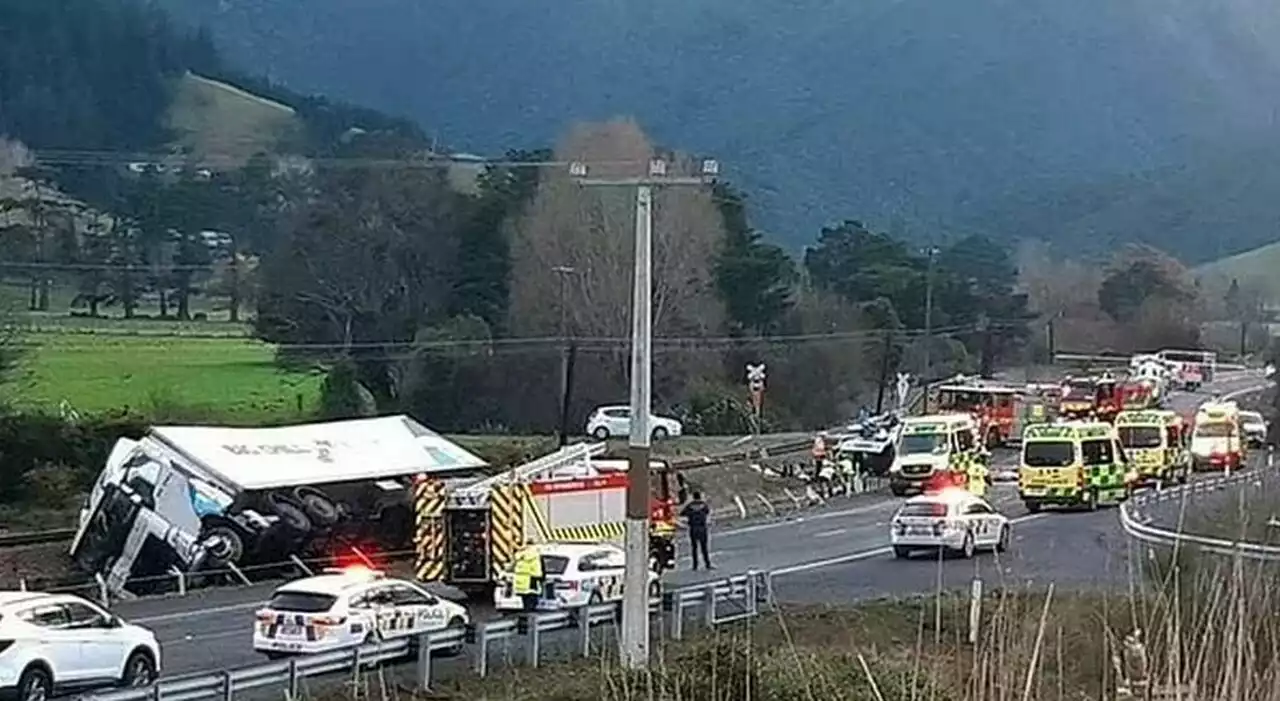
634 641
927 375
563 272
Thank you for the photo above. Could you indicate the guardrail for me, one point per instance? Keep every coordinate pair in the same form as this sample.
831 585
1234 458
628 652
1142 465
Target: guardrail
53 535
733 599
1139 528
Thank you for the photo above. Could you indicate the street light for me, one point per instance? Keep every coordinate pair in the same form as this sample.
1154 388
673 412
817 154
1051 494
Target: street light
635 597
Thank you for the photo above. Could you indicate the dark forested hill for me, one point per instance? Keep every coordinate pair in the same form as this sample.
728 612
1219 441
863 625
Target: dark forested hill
894 110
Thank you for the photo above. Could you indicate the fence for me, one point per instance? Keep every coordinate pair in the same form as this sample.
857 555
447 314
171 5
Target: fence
1138 526
736 598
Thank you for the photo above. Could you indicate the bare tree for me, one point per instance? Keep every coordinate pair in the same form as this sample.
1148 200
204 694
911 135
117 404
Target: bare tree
1057 286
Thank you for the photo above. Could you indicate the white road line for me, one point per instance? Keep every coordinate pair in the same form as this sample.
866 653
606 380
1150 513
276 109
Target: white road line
208 635
805 519
828 534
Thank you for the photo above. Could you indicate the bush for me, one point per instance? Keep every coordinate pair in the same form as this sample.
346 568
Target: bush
41 454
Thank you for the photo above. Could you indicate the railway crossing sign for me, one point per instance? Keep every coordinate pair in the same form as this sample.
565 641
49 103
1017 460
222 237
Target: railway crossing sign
904 387
755 383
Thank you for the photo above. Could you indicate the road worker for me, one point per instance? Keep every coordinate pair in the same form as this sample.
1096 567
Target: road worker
527 577
848 473
826 478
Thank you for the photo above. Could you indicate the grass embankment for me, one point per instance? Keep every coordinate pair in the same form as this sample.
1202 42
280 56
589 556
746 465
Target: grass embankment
1215 639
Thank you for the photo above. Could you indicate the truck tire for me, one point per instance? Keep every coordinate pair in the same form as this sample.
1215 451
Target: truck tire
225 546
292 517
317 506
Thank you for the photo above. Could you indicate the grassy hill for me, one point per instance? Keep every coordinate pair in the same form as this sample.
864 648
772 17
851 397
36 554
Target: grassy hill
1256 268
220 123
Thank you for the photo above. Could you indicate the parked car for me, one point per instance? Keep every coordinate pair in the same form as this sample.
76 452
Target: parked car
615 422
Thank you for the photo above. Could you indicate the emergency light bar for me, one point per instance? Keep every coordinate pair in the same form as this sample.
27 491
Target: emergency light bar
356 571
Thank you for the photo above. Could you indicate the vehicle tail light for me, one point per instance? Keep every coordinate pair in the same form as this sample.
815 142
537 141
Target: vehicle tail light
329 620
266 617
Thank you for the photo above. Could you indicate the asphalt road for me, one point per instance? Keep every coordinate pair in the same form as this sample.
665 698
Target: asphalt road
834 554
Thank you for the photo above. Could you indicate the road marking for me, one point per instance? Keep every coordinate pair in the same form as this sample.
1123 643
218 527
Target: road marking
828 534
805 519
865 554
207 635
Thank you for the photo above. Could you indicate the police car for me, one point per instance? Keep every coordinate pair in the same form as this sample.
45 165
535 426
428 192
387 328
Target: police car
348 607
951 520
575 575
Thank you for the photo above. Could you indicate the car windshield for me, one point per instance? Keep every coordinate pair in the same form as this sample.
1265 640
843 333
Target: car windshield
1217 429
923 508
301 602
923 444
1140 436
554 564
1048 454
1251 418
1078 390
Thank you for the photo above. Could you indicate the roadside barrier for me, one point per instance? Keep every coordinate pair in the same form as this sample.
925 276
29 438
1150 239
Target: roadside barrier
724 601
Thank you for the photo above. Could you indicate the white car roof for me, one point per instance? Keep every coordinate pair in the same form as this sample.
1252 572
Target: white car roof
1251 415
575 550
334 583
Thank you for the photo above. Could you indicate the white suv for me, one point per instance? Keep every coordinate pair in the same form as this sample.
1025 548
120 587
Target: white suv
51 642
615 422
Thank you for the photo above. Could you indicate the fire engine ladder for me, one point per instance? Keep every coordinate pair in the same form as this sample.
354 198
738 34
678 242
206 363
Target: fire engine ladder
476 493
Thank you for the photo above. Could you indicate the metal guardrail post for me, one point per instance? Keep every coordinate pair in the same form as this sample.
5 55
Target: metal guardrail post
482 651
424 662
238 573
709 606
677 616
228 686
182 580
753 605
535 639
293 680
584 631
104 593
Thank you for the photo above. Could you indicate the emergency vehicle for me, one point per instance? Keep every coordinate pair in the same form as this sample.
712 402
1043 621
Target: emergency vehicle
468 536
993 405
1155 443
1071 463
1079 398
1135 395
951 520
345 608
574 575
1217 442
1192 368
934 445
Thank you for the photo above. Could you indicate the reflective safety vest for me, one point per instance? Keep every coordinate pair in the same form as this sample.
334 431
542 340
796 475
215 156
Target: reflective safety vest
528 567
661 528
977 479
846 466
1037 413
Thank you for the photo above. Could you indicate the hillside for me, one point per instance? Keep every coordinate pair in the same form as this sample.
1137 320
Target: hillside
215 121
913 115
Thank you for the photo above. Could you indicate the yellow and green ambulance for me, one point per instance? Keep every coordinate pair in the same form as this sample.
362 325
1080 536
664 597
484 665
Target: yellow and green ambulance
1075 463
1155 442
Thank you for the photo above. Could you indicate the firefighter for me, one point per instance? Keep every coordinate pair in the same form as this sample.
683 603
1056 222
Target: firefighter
826 478
527 577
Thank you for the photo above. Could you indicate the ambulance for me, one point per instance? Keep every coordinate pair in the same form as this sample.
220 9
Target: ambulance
1073 463
931 445
1155 443
1216 437
467 535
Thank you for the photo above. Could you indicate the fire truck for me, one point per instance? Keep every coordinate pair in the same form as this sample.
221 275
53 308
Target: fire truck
467 535
995 406
1079 398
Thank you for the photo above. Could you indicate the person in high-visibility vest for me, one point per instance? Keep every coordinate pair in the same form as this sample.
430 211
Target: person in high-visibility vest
527 577
977 478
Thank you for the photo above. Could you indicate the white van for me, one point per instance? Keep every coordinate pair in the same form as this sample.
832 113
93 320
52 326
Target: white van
1217 440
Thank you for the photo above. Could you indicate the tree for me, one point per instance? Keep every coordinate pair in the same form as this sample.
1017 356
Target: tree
340 393
1139 274
755 279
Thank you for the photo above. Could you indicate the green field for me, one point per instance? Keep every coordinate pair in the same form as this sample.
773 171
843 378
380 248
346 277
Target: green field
1255 268
171 378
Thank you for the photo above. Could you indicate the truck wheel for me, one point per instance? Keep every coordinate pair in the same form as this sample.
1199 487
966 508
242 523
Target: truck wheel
900 552
1033 507
291 515
318 506
225 546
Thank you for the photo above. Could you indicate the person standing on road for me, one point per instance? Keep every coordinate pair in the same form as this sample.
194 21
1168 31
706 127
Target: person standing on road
696 514
527 577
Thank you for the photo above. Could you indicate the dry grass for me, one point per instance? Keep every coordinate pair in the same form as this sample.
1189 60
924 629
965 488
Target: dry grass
213 119
1204 628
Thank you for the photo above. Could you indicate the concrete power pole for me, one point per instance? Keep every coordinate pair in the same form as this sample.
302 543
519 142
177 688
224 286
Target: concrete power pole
635 593
928 324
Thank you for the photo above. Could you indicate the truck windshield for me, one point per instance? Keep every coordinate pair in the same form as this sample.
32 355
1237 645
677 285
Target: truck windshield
1140 436
924 443
1217 429
1048 454
1078 390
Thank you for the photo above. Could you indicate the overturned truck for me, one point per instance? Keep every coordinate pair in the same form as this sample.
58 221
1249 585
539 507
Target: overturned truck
193 499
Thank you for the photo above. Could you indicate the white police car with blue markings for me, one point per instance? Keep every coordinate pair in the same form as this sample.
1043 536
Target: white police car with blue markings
346 608
574 575
949 520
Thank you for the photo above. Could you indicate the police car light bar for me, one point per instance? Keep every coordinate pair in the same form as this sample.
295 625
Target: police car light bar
356 571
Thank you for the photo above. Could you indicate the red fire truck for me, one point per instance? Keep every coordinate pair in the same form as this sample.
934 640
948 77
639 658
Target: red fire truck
468 534
995 406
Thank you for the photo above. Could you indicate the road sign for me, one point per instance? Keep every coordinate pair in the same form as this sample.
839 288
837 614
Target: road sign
904 387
